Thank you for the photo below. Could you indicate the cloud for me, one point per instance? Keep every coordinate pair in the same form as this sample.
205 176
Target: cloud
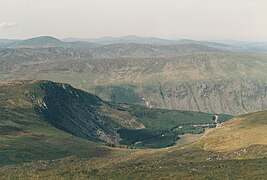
7 25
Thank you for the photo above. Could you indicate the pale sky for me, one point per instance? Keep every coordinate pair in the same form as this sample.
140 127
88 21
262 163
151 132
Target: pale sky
191 19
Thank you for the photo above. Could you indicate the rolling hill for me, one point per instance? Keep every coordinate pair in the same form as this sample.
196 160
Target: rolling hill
226 45
6 42
85 43
44 42
190 75
215 82
241 132
130 50
37 42
125 40
42 120
238 156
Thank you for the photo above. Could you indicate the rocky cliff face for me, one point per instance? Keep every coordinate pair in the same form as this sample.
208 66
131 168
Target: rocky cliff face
220 97
76 113
81 114
232 97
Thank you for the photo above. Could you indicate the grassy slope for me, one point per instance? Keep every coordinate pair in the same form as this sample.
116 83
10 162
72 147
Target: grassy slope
242 131
26 137
173 164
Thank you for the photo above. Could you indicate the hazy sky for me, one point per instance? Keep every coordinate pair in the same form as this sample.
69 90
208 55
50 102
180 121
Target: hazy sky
192 19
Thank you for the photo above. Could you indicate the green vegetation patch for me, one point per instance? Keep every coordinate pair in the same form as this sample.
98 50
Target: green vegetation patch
162 126
148 138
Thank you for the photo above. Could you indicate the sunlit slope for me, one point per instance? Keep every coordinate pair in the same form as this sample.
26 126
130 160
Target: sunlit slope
240 132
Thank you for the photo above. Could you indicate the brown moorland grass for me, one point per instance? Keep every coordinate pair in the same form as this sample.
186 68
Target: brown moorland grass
242 131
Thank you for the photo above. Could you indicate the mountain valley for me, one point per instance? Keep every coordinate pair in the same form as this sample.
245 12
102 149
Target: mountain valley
41 122
132 108
186 76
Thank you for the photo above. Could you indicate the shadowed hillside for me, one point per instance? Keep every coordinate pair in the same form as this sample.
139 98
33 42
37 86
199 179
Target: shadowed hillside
26 136
43 120
246 160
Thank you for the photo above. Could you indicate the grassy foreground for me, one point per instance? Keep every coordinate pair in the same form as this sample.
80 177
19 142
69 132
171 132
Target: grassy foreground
140 164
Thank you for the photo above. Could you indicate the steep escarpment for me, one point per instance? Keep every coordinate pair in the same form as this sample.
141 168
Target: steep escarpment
66 108
76 112
82 114
233 97
87 116
26 135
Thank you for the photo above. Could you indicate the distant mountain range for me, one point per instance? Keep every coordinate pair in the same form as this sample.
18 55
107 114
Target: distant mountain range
48 41
189 75
43 42
223 44
125 39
